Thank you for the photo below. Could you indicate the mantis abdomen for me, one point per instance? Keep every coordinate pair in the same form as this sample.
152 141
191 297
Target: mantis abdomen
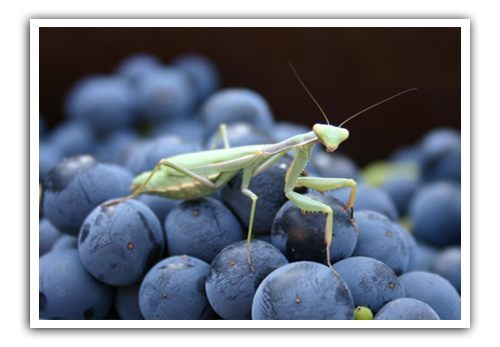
176 187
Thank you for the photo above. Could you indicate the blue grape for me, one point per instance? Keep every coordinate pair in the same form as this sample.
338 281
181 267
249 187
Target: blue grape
372 283
448 264
145 155
135 66
231 283
105 103
401 190
164 94
242 134
369 198
412 246
283 130
50 156
127 302
406 309
381 239
409 154
67 291
235 105
303 290
48 236
76 186
65 242
201 72
335 165
301 236
159 205
174 289
435 213
73 138
119 243
424 258
201 228
440 155
116 147
434 290
188 129
266 238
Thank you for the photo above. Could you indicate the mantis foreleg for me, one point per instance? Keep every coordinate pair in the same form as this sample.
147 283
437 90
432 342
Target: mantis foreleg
292 180
310 205
324 184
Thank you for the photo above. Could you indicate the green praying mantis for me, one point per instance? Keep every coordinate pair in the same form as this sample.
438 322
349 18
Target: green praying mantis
195 175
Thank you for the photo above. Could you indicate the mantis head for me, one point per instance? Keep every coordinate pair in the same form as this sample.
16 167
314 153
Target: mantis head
330 136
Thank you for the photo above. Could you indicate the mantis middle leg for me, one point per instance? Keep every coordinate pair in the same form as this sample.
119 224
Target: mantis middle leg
247 175
221 133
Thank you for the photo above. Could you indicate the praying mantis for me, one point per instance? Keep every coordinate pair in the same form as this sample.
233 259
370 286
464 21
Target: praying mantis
195 175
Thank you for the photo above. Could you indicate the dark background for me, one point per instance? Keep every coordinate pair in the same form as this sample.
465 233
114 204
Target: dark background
346 69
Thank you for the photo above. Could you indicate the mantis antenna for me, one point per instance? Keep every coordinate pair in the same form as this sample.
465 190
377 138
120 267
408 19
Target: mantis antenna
375 105
307 90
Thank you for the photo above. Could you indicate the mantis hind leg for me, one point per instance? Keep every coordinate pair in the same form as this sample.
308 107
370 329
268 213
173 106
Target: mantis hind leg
221 134
136 192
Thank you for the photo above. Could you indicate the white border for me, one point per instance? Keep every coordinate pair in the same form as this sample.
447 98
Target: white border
35 24
246 22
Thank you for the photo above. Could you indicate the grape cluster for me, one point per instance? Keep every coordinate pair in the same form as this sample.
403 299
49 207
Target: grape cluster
398 257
